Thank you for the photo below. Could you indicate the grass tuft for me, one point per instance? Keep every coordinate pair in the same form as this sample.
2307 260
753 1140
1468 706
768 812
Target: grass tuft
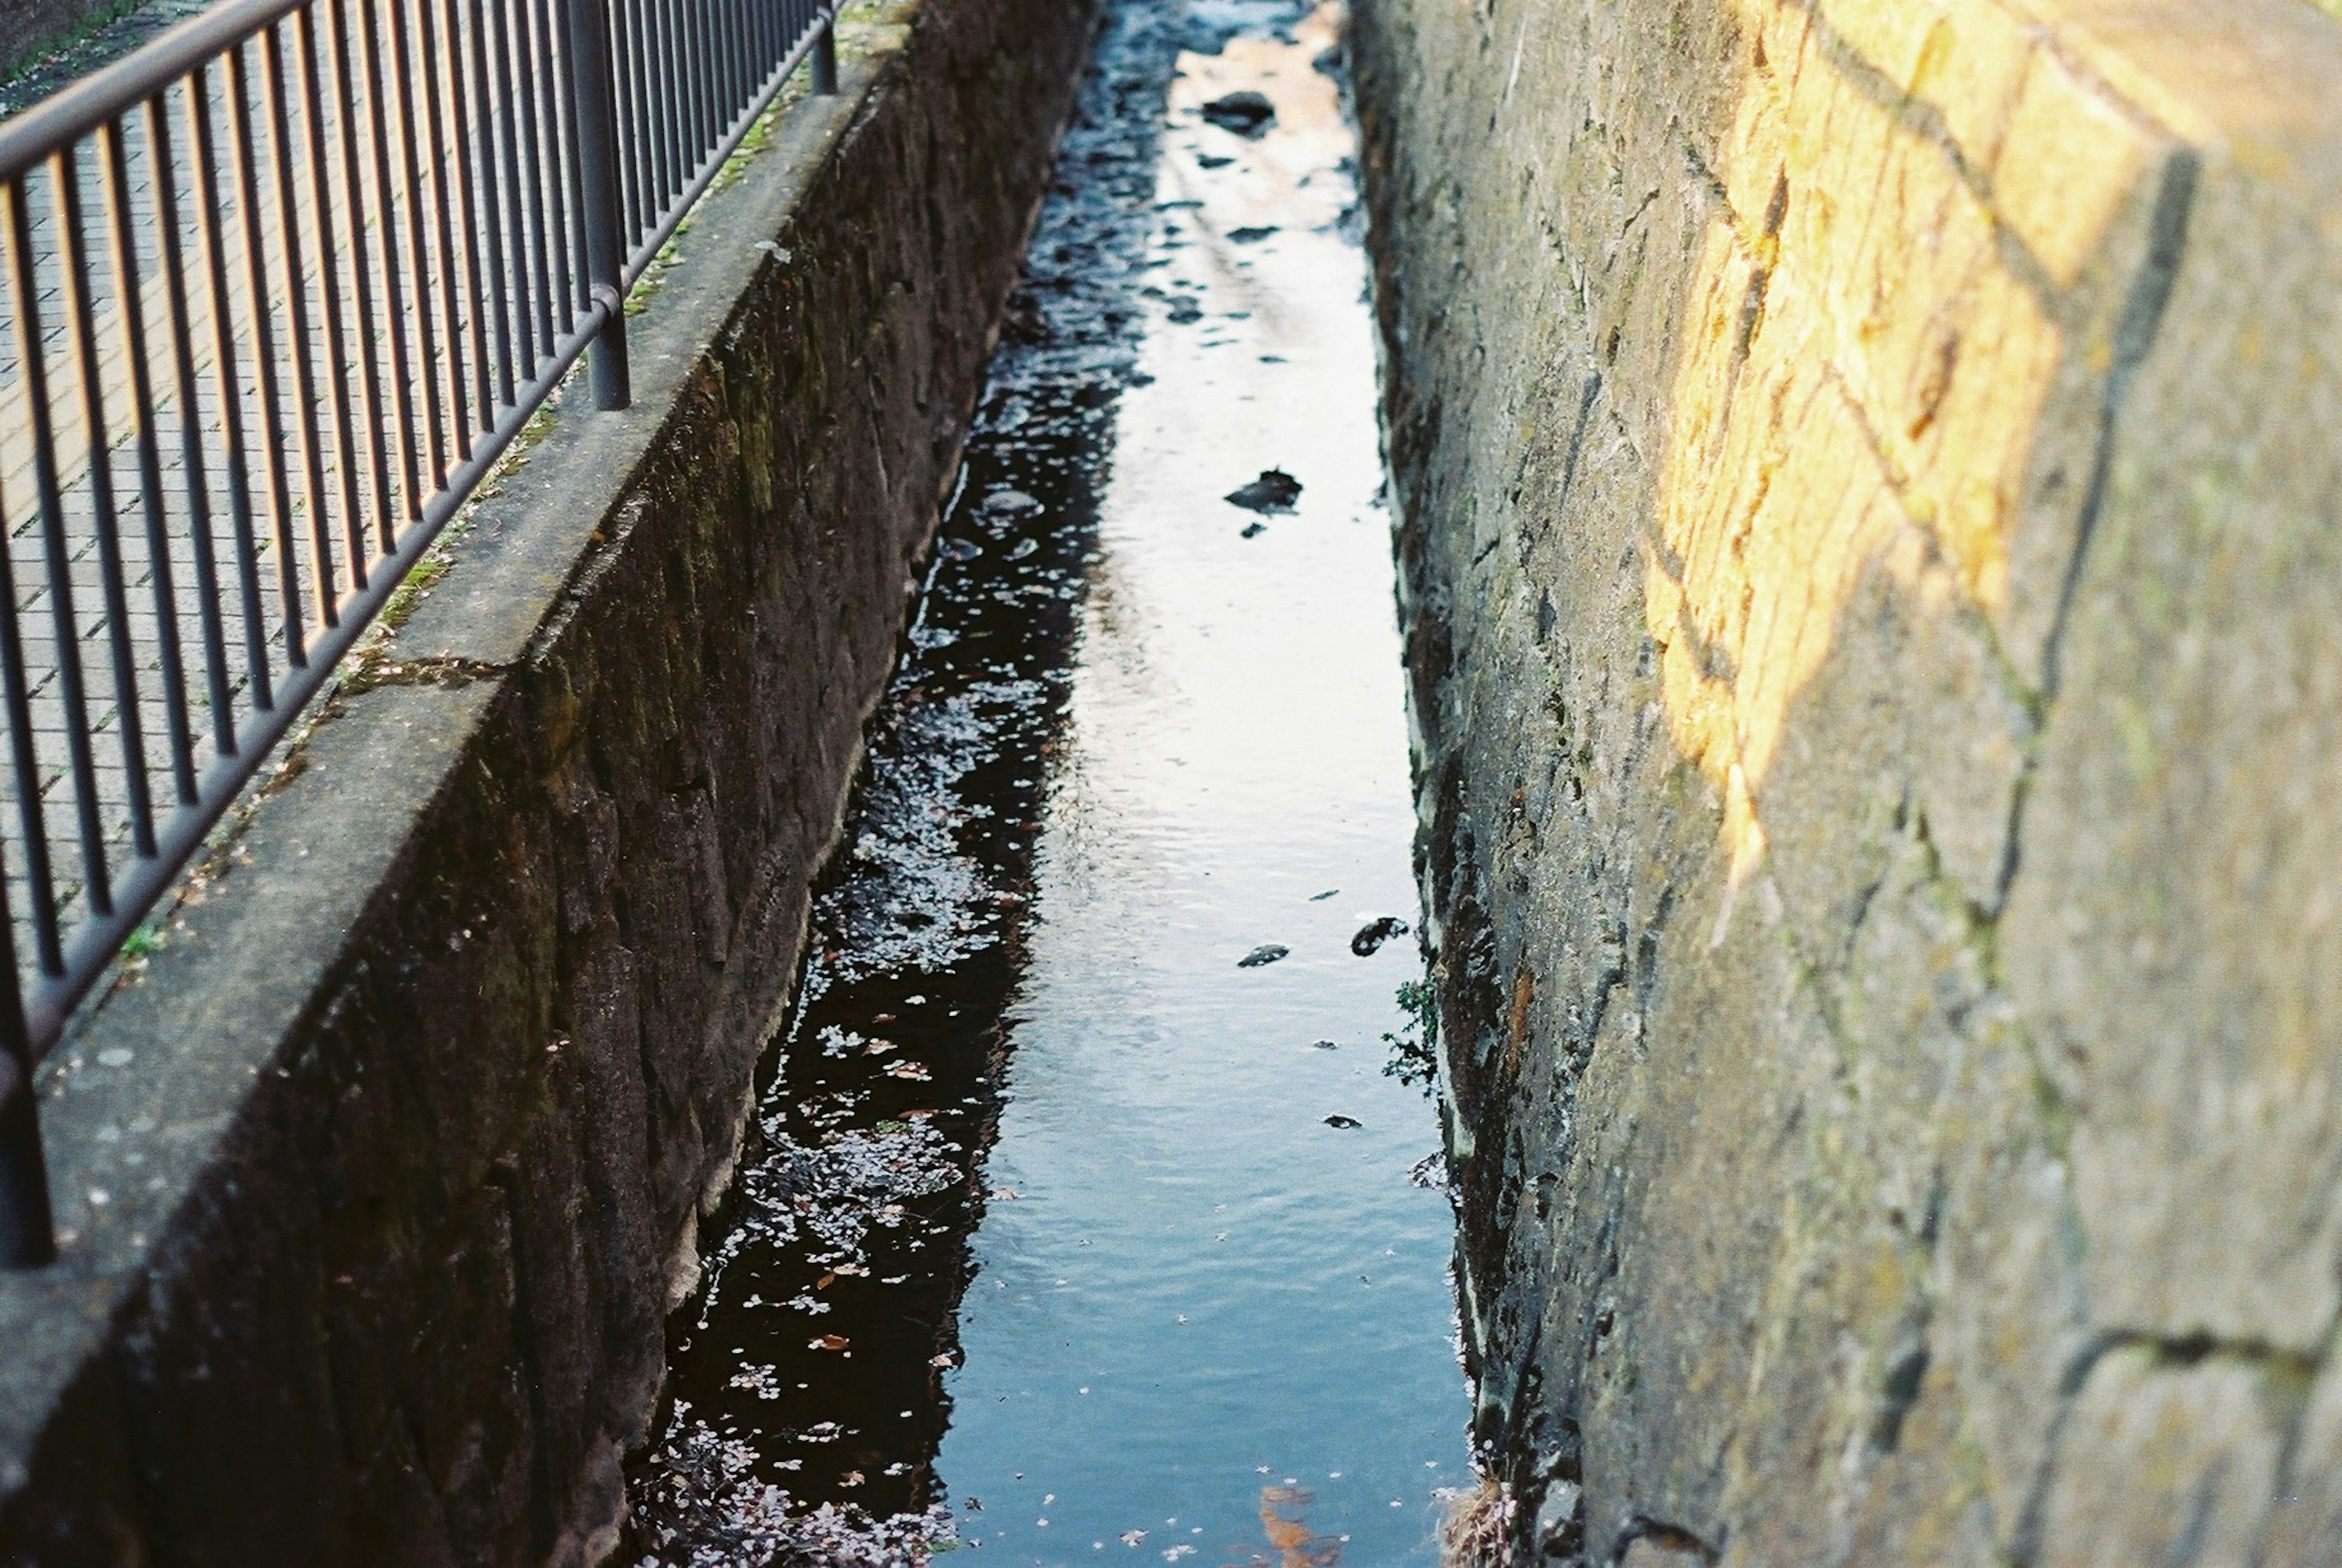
1476 1526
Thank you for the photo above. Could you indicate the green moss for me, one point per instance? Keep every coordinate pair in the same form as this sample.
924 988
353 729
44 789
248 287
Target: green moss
409 593
145 941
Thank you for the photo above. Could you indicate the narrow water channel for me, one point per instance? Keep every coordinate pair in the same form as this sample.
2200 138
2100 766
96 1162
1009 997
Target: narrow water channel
1081 1221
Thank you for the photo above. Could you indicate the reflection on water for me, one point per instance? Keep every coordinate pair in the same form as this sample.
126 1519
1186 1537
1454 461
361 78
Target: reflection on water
1217 1269
1079 1221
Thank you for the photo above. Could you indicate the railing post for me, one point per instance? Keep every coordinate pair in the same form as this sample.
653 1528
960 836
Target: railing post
597 161
26 1241
824 52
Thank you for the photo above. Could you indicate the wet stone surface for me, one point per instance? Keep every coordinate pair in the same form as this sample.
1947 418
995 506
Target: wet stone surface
1039 1038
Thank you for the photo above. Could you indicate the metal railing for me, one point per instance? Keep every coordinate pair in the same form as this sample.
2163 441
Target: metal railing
280 288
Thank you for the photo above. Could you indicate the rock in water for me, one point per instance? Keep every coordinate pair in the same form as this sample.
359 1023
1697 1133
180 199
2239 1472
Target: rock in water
1010 504
1273 494
1247 113
1343 1123
1369 941
1266 952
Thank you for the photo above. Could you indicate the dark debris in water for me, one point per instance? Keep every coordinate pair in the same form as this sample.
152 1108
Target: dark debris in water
1370 938
1260 957
1272 494
1247 113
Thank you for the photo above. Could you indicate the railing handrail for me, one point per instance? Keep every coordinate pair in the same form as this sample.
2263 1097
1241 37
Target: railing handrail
501 180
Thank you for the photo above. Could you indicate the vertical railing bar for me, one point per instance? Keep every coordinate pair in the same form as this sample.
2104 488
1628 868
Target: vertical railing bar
687 104
755 52
731 57
530 110
426 368
670 101
336 355
296 312
26 1238
40 880
643 131
825 50
459 420
574 212
354 208
492 210
765 23
733 54
514 259
393 303
467 223
723 60
622 75
680 158
597 207
80 328
130 301
703 64
264 361
232 434
747 54
551 66
57 550
699 94
191 430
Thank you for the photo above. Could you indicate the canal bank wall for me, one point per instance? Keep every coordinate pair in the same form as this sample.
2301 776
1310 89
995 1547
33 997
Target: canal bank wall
379 1171
1868 538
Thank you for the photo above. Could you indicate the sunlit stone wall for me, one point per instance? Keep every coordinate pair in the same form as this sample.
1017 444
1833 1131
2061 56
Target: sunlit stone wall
1870 476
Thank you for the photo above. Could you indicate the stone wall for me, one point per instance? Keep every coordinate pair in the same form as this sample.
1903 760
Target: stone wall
376 1183
1872 556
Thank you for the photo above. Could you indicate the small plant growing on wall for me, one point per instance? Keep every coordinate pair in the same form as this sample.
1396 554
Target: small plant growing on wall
1415 1048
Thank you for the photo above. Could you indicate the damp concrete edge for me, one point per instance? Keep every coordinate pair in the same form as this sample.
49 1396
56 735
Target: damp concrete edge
379 1179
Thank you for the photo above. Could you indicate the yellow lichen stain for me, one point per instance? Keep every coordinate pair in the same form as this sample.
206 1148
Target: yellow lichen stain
1858 395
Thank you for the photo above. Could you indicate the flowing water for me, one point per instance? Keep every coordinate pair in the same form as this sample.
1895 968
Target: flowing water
1082 1221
